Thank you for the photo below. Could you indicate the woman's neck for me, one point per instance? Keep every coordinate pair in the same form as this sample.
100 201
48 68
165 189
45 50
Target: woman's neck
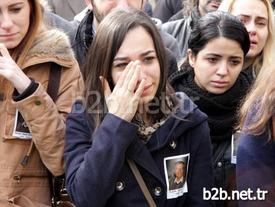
248 62
142 112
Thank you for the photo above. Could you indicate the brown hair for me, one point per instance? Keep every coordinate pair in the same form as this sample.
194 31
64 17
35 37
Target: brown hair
20 52
110 35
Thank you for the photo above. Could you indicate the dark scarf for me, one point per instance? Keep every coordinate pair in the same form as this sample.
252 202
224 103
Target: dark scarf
84 37
221 109
85 32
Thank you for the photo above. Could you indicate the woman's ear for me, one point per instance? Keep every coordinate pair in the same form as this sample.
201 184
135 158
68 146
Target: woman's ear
191 58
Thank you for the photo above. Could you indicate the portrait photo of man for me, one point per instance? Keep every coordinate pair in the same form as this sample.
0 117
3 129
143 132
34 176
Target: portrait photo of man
177 180
176 174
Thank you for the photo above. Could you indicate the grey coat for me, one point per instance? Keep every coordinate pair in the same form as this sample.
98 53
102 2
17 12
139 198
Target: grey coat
67 8
181 30
52 20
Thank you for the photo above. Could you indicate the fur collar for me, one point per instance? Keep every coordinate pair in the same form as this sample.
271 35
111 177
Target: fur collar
52 45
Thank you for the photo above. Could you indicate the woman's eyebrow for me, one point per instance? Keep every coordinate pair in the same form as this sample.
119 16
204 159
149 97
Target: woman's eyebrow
123 58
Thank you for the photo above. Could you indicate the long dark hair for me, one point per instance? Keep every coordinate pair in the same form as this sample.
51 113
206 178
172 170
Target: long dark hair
214 25
110 35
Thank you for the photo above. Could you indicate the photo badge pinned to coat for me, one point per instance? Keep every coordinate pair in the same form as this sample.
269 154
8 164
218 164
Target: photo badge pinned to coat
176 170
21 129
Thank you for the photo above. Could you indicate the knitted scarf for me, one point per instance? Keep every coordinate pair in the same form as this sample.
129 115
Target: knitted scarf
220 108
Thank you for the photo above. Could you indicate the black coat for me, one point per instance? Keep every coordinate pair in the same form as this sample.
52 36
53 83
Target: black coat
221 110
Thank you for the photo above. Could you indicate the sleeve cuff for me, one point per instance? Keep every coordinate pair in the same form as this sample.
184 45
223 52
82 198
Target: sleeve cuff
29 91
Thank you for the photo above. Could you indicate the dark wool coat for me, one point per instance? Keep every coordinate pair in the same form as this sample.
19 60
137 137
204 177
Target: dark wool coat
98 175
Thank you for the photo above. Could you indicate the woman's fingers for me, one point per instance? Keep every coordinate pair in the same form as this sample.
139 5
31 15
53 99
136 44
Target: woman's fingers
123 76
129 75
4 51
140 89
132 83
124 99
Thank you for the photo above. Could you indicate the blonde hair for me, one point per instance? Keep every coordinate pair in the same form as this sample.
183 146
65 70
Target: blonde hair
264 59
21 51
262 99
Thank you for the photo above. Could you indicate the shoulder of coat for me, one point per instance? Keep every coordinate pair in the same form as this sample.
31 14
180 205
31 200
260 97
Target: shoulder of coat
52 44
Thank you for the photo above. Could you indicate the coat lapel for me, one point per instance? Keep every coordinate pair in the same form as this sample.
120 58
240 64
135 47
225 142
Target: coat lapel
139 153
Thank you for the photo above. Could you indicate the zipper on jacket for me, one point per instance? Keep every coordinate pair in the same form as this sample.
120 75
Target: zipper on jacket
25 159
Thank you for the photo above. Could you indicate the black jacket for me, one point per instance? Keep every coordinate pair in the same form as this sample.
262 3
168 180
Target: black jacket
221 110
83 39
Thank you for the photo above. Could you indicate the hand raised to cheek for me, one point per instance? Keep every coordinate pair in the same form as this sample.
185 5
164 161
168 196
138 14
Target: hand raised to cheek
10 70
124 99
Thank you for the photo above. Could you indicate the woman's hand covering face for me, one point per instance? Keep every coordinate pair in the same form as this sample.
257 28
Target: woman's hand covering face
124 99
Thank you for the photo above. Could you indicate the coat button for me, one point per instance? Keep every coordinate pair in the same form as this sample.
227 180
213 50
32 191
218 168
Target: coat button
17 178
219 164
119 186
37 102
157 191
173 144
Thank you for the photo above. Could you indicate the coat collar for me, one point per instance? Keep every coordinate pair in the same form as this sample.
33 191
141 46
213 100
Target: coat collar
194 17
86 30
185 117
50 46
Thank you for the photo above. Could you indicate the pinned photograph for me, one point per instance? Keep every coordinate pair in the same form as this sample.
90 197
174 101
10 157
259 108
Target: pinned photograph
176 170
21 129
234 146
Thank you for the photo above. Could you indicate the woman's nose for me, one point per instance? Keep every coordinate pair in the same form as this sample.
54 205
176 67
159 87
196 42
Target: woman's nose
5 21
222 70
